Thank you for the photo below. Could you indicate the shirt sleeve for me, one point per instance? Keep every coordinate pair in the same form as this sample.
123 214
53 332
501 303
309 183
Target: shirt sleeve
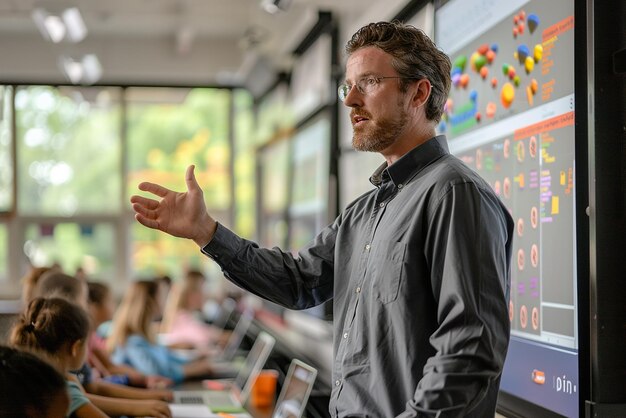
77 397
295 282
468 247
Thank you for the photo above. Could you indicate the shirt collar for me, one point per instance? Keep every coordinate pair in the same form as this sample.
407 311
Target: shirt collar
412 162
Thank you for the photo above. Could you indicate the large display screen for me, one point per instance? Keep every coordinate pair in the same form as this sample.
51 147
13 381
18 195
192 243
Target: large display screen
510 116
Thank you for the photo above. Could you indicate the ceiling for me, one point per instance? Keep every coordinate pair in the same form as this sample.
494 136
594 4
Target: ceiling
161 42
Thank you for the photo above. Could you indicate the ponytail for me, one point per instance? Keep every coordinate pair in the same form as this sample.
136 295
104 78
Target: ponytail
48 325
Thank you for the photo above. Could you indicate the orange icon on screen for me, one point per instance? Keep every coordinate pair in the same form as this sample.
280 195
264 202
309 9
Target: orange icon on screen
523 316
539 377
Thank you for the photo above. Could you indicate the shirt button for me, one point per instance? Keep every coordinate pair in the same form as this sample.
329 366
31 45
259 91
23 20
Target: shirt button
337 382
367 247
382 204
358 290
345 335
400 186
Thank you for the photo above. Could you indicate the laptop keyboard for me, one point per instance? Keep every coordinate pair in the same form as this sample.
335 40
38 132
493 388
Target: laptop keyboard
195 400
221 399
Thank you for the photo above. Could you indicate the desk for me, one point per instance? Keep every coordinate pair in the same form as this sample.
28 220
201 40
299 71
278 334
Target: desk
315 350
314 347
196 385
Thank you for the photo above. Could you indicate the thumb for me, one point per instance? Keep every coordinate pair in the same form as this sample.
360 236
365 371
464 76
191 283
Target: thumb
190 179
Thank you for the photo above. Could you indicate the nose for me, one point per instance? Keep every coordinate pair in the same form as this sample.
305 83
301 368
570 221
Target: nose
354 98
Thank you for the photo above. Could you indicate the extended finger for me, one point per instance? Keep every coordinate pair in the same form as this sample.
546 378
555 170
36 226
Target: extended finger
144 201
145 212
154 188
150 223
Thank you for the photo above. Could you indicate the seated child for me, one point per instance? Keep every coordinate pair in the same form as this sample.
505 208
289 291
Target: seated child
58 330
113 399
29 283
182 325
30 386
132 340
101 310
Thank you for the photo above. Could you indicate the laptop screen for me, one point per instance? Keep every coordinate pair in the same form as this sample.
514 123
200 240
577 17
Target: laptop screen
237 335
296 390
253 364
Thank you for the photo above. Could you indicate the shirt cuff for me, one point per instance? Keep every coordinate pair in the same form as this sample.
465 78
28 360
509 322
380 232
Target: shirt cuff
223 246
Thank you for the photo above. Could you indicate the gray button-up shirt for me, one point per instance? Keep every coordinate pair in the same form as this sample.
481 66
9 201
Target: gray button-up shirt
419 272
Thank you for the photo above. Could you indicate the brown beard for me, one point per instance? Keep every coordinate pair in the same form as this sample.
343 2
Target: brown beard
378 135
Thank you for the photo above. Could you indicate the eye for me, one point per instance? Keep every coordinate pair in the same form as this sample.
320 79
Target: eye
371 81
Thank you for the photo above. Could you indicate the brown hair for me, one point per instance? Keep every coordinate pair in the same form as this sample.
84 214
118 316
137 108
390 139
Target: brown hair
193 279
415 56
97 292
178 298
29 384
29 282
135 313
49 325
57 284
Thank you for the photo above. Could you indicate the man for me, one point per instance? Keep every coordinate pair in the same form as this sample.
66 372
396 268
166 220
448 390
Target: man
418 268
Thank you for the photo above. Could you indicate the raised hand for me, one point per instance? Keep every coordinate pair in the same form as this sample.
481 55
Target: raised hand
179 214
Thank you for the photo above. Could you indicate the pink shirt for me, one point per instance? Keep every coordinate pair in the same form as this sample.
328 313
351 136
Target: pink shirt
186 328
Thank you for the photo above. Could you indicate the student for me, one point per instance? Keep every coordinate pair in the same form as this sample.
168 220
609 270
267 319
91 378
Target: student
101 310
112 398
182 325
418 268
165 286
132 340
58 330
55 283
31 387
29 283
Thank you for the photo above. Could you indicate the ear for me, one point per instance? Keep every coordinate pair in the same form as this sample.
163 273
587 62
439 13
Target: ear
421 92
76 347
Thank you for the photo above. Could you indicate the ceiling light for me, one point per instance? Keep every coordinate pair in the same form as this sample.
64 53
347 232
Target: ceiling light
275 6
86 71
51 27
68 26
76 29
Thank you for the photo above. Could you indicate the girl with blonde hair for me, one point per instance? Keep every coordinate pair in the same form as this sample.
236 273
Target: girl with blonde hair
133 341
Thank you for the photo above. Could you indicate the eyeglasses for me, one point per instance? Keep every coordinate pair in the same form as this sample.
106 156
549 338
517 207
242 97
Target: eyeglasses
365 86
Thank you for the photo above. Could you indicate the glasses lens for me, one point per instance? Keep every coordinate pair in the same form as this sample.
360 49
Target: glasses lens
343 91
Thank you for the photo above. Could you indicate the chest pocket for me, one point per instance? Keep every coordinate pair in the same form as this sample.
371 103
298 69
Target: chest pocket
386 265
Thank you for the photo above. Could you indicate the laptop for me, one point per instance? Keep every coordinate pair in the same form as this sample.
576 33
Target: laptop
233 396
236 337
296 389
226 313
291 403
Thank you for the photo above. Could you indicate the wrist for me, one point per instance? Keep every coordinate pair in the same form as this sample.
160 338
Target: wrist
204 233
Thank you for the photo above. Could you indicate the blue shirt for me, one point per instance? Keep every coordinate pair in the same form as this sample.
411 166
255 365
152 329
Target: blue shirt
77 397
149 359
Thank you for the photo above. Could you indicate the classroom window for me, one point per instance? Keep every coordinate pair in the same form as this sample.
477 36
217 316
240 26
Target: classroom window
6 158
168 129
68 150
4 252
73 245
244 170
